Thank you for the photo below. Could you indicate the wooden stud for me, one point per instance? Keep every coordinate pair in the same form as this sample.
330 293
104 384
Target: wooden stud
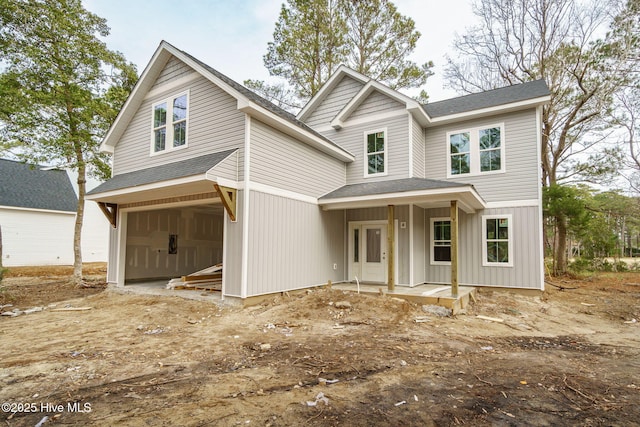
228 197
391 241
110 210
454 248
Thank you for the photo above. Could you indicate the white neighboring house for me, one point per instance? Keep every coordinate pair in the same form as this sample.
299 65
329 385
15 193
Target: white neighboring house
37 216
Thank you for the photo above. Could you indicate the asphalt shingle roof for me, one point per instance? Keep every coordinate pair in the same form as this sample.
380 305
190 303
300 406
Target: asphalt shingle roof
35 187
389 187
181 169
490 98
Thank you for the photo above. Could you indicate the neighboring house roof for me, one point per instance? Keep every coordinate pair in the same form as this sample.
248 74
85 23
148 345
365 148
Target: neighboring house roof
248 102
181 169
488 99
403 191
35 187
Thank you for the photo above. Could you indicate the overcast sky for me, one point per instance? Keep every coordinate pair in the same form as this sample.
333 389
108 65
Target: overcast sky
232 36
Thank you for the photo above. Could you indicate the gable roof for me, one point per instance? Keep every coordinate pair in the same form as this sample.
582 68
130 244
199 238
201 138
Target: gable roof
194 166
488 99
35 187
248 102
510 98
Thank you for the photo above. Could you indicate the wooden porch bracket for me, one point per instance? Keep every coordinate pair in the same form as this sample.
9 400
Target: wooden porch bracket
110 210
391 242
228 197
454 248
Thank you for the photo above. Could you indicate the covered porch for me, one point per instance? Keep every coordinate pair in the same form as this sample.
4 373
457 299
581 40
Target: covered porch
375 253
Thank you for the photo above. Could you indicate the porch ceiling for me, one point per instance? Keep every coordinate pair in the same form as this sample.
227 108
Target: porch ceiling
426 193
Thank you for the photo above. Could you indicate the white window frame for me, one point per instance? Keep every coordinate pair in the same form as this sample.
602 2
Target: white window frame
509 218
168 146
385 153
474 150
432 234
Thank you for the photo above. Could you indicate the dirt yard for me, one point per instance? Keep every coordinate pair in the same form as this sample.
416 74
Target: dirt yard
569 357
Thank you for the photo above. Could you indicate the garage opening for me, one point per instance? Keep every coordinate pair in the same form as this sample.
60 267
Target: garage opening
166 243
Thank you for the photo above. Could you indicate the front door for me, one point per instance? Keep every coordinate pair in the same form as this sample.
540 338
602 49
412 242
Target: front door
368 252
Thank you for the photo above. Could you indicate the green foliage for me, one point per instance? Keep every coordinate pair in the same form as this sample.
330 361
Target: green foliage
312 38
61 87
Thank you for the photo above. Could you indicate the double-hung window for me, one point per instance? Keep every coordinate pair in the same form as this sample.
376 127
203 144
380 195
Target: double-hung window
497 240
169 129
476 151
375 147
440 241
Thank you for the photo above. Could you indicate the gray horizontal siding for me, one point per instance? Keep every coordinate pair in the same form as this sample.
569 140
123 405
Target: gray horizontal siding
519 182
214 124
375 103
174 69
352 138
228 168
346 89
418 144
526 269
281 161
293 244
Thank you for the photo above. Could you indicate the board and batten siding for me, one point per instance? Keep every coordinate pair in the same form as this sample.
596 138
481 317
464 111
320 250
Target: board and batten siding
346 89
420 244
31 237
352 139
112 260
281 161
232 257
214 124
293 244
526 270
520 180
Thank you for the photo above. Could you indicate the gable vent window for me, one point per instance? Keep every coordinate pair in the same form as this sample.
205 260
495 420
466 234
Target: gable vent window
170 118
476 151
376 153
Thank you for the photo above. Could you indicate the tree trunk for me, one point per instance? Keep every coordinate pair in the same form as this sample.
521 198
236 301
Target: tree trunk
560 266
77 232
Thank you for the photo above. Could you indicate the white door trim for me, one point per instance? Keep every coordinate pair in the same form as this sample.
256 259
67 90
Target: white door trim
356 270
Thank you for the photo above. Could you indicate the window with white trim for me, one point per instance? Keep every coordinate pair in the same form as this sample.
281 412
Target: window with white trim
497 240
440 240
169 128
475 151
375 147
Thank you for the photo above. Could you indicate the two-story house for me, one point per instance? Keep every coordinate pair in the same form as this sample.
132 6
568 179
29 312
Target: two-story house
364 182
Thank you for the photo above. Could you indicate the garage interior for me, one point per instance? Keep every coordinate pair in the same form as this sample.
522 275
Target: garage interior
173 242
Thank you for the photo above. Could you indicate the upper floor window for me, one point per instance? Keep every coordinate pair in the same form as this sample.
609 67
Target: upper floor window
497 240
476 151
376 153
170 124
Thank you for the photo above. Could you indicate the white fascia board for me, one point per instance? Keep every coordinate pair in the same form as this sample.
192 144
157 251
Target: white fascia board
469 199
504 108
328 87
146 187
272 119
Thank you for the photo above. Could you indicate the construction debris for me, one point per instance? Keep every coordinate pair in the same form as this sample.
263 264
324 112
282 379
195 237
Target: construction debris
208 279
